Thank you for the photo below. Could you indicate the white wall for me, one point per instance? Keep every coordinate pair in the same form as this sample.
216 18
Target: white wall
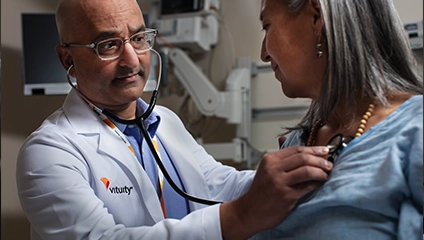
241 17
409 10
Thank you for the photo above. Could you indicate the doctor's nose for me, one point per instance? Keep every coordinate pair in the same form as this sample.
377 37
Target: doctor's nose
129 57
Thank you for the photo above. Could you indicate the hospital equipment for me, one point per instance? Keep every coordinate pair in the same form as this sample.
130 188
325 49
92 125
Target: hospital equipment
414 31
196 32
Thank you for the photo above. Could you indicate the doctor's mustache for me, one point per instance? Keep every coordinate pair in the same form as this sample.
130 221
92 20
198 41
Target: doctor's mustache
124 72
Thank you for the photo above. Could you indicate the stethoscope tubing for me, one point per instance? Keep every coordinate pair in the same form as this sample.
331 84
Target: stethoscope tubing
139 122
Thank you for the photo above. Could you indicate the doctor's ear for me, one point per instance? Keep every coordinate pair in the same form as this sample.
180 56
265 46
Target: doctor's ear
65 57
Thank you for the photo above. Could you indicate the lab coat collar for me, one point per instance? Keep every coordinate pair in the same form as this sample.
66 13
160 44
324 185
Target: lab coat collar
81 117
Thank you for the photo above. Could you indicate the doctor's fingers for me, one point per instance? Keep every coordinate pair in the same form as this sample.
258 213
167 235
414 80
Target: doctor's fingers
275 177
272 176
288 159
303 176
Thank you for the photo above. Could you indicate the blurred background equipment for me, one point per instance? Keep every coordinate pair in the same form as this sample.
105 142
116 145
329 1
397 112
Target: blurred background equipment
189 28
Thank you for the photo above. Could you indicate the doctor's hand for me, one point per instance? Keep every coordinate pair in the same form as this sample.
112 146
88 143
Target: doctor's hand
281 179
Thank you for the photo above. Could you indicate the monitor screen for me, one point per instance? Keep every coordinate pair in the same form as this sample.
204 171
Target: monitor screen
43 72
181 6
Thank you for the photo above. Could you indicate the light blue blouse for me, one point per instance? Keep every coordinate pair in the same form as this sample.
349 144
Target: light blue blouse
374 190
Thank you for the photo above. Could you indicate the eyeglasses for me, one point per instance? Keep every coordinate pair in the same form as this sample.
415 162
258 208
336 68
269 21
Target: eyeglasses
112 48
336 144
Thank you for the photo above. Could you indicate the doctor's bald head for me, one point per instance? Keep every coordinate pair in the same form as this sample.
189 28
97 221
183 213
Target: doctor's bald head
73 17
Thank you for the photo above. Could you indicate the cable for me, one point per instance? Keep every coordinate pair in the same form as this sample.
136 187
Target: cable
166 174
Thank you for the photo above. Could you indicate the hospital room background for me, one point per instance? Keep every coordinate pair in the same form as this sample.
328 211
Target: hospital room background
213 79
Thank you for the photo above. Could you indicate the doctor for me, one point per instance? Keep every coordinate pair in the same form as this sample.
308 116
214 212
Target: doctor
83 175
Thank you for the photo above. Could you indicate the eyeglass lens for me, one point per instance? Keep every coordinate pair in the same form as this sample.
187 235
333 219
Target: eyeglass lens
113 47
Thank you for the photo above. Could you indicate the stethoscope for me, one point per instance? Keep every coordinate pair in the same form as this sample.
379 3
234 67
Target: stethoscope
139 122
336 144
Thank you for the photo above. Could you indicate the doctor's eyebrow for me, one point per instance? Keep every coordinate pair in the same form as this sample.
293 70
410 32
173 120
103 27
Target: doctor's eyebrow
111 34
140 29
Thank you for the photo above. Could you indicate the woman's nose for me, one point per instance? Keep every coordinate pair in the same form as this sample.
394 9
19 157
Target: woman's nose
264 54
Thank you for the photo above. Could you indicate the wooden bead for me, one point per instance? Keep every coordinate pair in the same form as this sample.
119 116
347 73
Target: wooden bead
364 120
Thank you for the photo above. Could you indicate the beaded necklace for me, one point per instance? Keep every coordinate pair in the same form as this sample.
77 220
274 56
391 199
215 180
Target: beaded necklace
363 123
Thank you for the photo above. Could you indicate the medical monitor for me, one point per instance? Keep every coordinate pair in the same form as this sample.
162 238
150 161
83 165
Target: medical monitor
181 6
43 72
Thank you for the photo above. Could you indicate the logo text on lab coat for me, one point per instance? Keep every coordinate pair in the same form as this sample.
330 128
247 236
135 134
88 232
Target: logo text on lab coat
121 190
116 189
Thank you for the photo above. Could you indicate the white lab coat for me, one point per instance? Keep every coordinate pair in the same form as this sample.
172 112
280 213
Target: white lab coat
60 166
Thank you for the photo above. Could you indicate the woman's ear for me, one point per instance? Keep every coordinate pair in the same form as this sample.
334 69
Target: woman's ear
315 8
65 57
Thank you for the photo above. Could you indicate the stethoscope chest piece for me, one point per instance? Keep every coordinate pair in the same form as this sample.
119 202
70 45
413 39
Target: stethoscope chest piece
336 145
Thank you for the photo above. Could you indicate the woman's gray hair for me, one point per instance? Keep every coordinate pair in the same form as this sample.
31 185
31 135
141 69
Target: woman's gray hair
368 54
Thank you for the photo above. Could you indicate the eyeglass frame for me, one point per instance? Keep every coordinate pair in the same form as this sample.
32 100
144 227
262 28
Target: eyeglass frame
95 45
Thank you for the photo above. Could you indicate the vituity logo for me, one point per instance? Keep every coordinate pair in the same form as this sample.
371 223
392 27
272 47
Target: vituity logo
105 181
116 189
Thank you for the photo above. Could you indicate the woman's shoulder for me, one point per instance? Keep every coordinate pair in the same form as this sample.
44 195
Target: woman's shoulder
293 139
415 101
409 102
410 110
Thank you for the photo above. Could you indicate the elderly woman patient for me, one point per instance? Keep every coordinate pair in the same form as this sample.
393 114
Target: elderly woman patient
353 60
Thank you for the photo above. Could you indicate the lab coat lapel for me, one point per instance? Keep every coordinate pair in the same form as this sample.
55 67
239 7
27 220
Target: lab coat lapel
118 150
189 171
85 122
